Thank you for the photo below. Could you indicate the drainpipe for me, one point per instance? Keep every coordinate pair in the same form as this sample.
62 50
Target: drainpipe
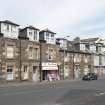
40 64
20 62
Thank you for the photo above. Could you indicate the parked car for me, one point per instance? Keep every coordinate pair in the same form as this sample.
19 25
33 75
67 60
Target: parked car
90 76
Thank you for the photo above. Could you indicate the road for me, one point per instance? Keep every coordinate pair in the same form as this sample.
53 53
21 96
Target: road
62 93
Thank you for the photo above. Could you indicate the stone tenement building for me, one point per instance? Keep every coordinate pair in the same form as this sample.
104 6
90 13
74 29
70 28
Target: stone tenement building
21 55
79 57
34 55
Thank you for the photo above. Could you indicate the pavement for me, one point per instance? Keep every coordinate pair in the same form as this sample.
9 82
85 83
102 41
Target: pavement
66 92
26 83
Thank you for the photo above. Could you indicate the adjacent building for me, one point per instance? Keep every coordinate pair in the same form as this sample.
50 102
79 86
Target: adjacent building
96 46
75 62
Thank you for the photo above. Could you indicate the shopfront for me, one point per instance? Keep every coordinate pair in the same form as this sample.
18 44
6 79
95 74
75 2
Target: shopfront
50 71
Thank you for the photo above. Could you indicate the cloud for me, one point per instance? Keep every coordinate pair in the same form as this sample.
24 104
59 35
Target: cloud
76 17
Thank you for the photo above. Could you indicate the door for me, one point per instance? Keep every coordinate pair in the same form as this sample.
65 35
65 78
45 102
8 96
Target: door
25 75
35 74
9 72
77 72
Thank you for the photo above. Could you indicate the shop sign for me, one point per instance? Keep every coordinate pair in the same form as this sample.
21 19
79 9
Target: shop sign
49 66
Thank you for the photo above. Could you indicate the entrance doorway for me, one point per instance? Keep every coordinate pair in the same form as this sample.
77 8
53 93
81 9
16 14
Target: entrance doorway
25 73
50 75
45 74
9 72
35 73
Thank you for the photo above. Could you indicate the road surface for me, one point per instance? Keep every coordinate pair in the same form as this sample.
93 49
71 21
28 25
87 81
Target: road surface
62 93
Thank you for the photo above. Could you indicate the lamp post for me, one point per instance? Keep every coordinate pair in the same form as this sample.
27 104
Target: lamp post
64 52
73 64
20 62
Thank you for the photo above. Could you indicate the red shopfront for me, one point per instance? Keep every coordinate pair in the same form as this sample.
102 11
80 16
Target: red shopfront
50 71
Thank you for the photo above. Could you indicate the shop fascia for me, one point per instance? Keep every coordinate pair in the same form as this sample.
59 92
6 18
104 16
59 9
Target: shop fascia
49 66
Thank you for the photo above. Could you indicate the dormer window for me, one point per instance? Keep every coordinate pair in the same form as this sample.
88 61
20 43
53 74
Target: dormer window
48 36
9 29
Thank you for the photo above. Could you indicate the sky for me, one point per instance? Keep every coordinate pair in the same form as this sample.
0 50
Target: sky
74 18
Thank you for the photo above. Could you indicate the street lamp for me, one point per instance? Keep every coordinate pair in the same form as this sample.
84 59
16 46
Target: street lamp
64 51
20 62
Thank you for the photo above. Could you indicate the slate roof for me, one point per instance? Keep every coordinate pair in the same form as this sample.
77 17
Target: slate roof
89 40
30 27
47 30
9 22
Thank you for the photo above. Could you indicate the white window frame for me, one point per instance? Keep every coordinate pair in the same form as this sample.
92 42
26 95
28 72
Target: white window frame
10 54
30 52
13 28
6 27
47 36
35 35
30 32
50 53
33 53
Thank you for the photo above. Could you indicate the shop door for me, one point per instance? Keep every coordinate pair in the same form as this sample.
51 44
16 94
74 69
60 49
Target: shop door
25 75
9 72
